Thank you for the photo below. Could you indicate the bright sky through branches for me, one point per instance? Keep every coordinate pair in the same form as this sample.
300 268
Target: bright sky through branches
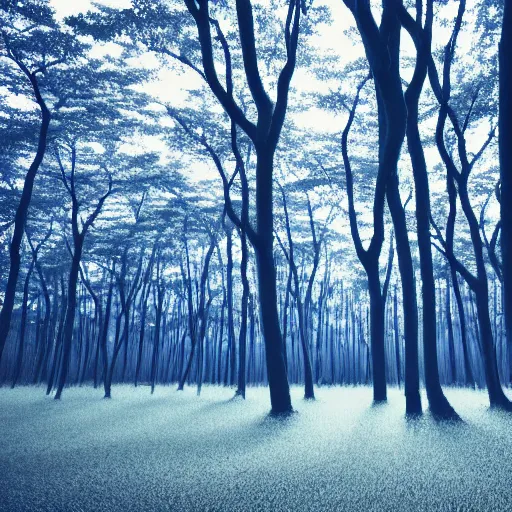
332 39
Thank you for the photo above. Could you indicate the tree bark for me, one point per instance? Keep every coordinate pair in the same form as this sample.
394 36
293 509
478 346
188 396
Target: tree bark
104 334
265 136
23 327
505 153
67 332
21 216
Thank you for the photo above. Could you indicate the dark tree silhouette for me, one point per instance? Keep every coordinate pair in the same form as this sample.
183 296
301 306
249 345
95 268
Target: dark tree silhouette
382 47
505 148
439 405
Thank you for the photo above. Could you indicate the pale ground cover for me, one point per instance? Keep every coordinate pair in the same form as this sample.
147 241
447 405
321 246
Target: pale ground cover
179 452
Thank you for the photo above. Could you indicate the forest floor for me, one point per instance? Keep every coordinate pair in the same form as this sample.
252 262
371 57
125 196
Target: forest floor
178 452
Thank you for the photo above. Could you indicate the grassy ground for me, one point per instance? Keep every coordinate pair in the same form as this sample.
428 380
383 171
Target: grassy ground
179 452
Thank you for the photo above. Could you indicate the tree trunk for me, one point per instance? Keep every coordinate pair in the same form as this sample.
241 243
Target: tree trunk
23 327
278 383
309 393
87 345
242 341
285 315
451 337
229 290
44 341
104 335
156 339
439 405
497 397
410 306
505 151
377 336
58 337
70 316
21 219
192 326
396 332
99 326
144 309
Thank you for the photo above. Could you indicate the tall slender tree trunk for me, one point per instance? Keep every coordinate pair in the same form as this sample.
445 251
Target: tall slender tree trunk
242 341
23 327
144 297
104 335
276 370
67 333
44 341
285 314
396 332
377 336
438 403
320 332
221 335
85 366
451 337
410 305
156 338
51 331
309 393
21 218
229 290
369 258
58 337
99 326
497 397
251 374
192 325
118 343
37 338
126 342
80 333
505 151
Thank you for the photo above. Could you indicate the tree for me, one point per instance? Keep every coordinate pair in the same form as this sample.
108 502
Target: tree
265 136
479 282
309 393
369 258
439 405
78 237
34 42
505 148
196 319
382 47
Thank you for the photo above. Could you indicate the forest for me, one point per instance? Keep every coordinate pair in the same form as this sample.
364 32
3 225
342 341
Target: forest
218 213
